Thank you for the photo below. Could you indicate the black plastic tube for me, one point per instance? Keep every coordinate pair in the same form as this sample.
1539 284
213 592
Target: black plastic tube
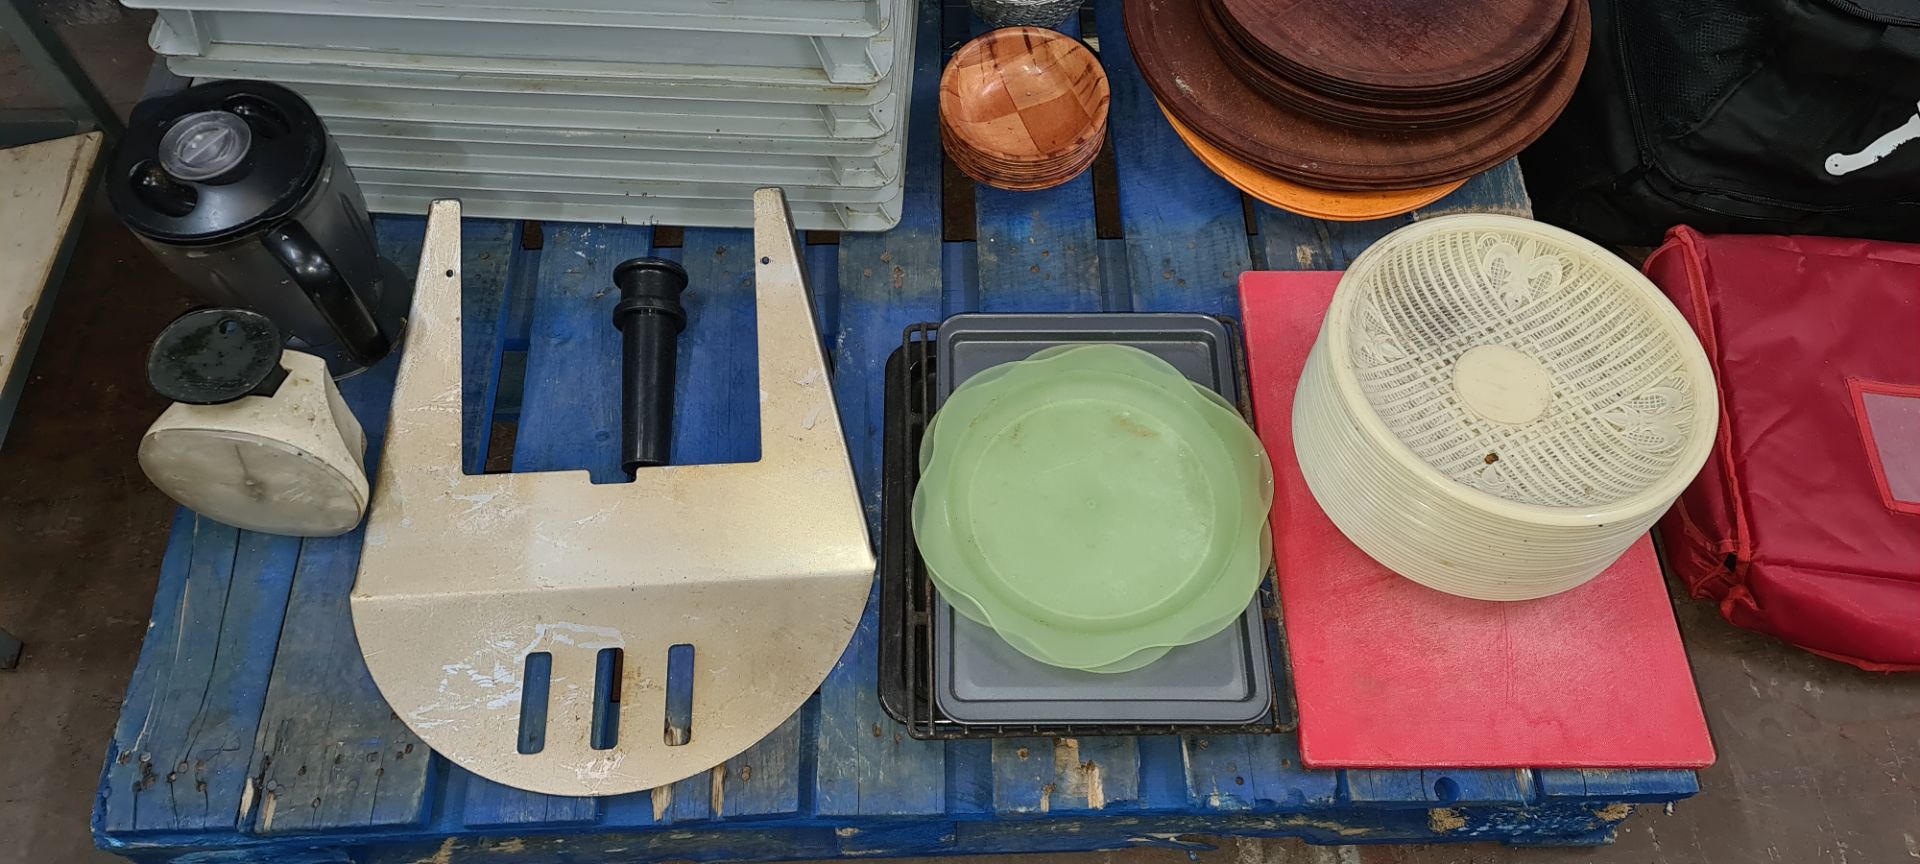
650 319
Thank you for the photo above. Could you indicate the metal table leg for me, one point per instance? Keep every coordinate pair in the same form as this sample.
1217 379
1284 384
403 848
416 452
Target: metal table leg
83 108
9 651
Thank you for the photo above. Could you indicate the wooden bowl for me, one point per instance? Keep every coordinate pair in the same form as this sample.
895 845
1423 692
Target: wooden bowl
1025 100
1000 176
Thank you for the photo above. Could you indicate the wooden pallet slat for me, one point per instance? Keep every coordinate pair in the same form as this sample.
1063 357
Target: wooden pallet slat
1163 775
490 260
1499 189
1370 786
689 800
1023 775
331 755
767 779
1116 275
1186 236
1241 772
489 256
569 414
184 765
1094 773
400 239
120 788
1439 787
1187 244
717 407
839 776
1038 251
1288 241
863 761
1613 785
570 405
823 280
1480 785
487 804
969 778
717 419
497 276
959 278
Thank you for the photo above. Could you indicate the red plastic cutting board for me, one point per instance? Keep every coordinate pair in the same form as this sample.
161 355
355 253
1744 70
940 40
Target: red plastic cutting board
1391 674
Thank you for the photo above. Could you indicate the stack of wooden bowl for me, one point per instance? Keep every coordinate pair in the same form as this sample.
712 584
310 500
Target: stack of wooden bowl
1023 108
1360 96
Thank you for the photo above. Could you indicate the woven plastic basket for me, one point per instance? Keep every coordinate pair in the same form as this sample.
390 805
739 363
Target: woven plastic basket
1498 409
1024 13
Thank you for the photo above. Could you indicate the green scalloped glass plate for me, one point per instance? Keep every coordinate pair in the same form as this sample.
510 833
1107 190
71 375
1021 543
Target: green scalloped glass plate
1093 506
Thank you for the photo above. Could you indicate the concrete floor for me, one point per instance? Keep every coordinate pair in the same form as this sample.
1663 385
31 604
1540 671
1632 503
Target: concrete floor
1818 762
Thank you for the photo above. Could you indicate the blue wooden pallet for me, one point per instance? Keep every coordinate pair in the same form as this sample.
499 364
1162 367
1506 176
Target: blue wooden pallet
252 731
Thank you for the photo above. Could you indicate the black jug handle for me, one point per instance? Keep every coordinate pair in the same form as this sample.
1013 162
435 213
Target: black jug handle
345 313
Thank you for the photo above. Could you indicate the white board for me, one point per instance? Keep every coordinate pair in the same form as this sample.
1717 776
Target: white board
44 186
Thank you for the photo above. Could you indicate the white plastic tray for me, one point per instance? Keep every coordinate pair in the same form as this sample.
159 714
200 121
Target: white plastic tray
857 18
644 136
691 213
616 163
680 54
732 119
579 78
454 184
879 153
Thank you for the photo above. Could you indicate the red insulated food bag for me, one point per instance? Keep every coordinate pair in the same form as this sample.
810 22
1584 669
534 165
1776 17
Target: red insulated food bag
1805 523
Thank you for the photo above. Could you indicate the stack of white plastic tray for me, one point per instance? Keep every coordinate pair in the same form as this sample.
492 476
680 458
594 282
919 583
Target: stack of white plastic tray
667 111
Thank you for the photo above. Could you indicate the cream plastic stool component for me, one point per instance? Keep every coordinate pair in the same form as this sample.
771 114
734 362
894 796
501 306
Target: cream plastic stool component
1498 409
763 568
286 460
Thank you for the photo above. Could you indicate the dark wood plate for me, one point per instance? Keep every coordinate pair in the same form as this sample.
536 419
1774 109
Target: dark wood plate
1399 45
1390 95
1372 114
1182 65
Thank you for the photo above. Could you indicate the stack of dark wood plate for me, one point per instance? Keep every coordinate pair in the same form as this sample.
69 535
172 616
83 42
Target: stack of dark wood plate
1363 95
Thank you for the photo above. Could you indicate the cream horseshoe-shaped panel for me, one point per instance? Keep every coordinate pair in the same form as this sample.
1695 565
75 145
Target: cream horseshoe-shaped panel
763 567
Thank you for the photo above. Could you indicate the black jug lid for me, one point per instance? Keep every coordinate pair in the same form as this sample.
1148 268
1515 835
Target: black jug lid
215 161
214 356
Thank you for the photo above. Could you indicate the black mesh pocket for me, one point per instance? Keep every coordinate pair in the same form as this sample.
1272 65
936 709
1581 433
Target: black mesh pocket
1682 57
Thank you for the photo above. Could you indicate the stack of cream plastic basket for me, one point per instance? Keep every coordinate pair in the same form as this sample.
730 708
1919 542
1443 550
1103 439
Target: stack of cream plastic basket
660 111
1499 409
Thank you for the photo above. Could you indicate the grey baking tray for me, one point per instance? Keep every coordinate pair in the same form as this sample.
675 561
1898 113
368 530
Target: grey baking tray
979 678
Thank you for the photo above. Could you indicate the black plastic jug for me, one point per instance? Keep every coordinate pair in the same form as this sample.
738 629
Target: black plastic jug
238 189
